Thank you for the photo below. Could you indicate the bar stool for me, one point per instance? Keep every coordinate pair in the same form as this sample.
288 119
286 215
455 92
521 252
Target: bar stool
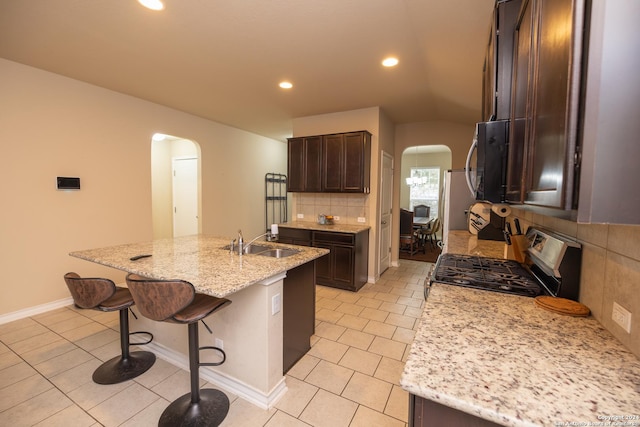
176 301
104 295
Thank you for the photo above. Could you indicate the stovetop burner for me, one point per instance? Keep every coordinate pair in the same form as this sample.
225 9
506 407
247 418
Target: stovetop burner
493 274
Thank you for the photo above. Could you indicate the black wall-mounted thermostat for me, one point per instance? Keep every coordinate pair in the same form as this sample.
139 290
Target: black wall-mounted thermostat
67 183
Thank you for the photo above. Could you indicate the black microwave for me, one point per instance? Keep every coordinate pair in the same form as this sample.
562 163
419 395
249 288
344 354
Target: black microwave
491 146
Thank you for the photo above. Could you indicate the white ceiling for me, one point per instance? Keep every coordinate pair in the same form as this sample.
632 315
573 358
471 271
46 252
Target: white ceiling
222 60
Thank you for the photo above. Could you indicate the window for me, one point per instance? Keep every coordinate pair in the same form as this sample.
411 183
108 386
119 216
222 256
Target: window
425 189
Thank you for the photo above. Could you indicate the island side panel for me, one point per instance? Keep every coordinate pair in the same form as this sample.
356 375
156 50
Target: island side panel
252 340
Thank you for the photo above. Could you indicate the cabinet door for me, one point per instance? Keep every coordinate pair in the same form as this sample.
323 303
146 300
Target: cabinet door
356 170
304 164
313 164
343 265
520 105
295 164
323 264
554 121
332 152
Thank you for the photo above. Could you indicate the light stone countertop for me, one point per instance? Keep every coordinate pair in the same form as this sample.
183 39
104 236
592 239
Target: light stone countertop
502 358
201 261
337 228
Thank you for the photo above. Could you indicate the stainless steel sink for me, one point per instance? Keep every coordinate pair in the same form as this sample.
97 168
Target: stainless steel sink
279 252
267 251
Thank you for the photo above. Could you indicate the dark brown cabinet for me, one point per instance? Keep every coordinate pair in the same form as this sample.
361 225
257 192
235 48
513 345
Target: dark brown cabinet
305 164
339 163
545 105
427 413
346 162
299 305
346 265
294 236
498 63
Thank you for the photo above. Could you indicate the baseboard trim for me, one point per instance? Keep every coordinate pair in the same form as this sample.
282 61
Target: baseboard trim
240 389
32 311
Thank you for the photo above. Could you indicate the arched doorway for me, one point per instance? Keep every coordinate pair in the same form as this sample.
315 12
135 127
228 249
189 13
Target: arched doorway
175 186
422 176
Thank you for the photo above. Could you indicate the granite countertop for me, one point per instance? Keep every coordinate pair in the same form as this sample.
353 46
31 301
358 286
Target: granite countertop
337 228
502 358
201 261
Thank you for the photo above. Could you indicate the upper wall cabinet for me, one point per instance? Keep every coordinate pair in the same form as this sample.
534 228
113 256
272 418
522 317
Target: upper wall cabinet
305 164
609 174
498 62
543 147
341 165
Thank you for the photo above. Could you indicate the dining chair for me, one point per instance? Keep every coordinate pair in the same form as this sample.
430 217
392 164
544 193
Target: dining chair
421 211
431 234
409 241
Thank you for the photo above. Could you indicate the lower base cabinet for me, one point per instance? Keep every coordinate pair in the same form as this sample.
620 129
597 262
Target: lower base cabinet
427 413
298 311
346 265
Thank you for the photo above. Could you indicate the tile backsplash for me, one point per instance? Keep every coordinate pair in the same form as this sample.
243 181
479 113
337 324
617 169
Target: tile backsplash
348 207
610 269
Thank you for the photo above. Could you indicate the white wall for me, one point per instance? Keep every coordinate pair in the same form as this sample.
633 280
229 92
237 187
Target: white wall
348 121
55 126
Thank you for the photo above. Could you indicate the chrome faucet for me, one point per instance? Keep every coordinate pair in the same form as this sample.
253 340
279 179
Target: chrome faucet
270 237
243 249
240 243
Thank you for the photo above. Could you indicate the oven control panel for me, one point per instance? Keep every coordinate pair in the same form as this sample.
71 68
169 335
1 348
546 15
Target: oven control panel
547 250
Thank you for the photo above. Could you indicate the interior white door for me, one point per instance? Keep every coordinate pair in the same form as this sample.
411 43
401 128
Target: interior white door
386 198
185 196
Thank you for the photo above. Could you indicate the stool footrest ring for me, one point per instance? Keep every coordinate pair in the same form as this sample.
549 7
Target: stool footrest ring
150 338
224 356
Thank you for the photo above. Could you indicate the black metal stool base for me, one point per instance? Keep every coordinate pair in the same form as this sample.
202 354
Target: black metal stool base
120 369
211 410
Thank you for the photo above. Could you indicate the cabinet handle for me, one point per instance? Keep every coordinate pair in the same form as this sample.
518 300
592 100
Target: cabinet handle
384 222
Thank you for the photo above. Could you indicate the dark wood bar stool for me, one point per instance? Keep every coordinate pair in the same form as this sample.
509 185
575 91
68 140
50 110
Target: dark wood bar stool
176 301
104 295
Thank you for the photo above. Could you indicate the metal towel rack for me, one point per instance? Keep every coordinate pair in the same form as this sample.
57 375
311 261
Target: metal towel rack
275 207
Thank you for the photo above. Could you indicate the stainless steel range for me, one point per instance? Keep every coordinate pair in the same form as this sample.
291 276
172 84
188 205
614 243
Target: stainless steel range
552 268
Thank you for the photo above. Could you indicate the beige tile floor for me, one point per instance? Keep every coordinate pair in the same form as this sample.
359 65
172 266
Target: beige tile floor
350 377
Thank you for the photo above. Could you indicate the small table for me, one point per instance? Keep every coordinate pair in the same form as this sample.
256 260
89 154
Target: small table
421 221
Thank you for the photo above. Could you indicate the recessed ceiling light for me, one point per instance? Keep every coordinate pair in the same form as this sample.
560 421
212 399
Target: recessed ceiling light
286 85
152 4
390 62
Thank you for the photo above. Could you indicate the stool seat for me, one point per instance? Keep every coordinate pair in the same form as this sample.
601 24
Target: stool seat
120 300
103 295
201 307
176 301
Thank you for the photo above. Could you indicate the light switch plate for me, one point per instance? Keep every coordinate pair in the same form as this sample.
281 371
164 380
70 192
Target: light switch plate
300 216
362 219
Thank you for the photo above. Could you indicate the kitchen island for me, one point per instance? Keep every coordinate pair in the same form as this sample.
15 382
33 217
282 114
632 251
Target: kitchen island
504 361
251 328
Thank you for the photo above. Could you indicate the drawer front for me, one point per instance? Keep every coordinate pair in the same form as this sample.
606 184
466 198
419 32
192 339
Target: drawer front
294 234
341 238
